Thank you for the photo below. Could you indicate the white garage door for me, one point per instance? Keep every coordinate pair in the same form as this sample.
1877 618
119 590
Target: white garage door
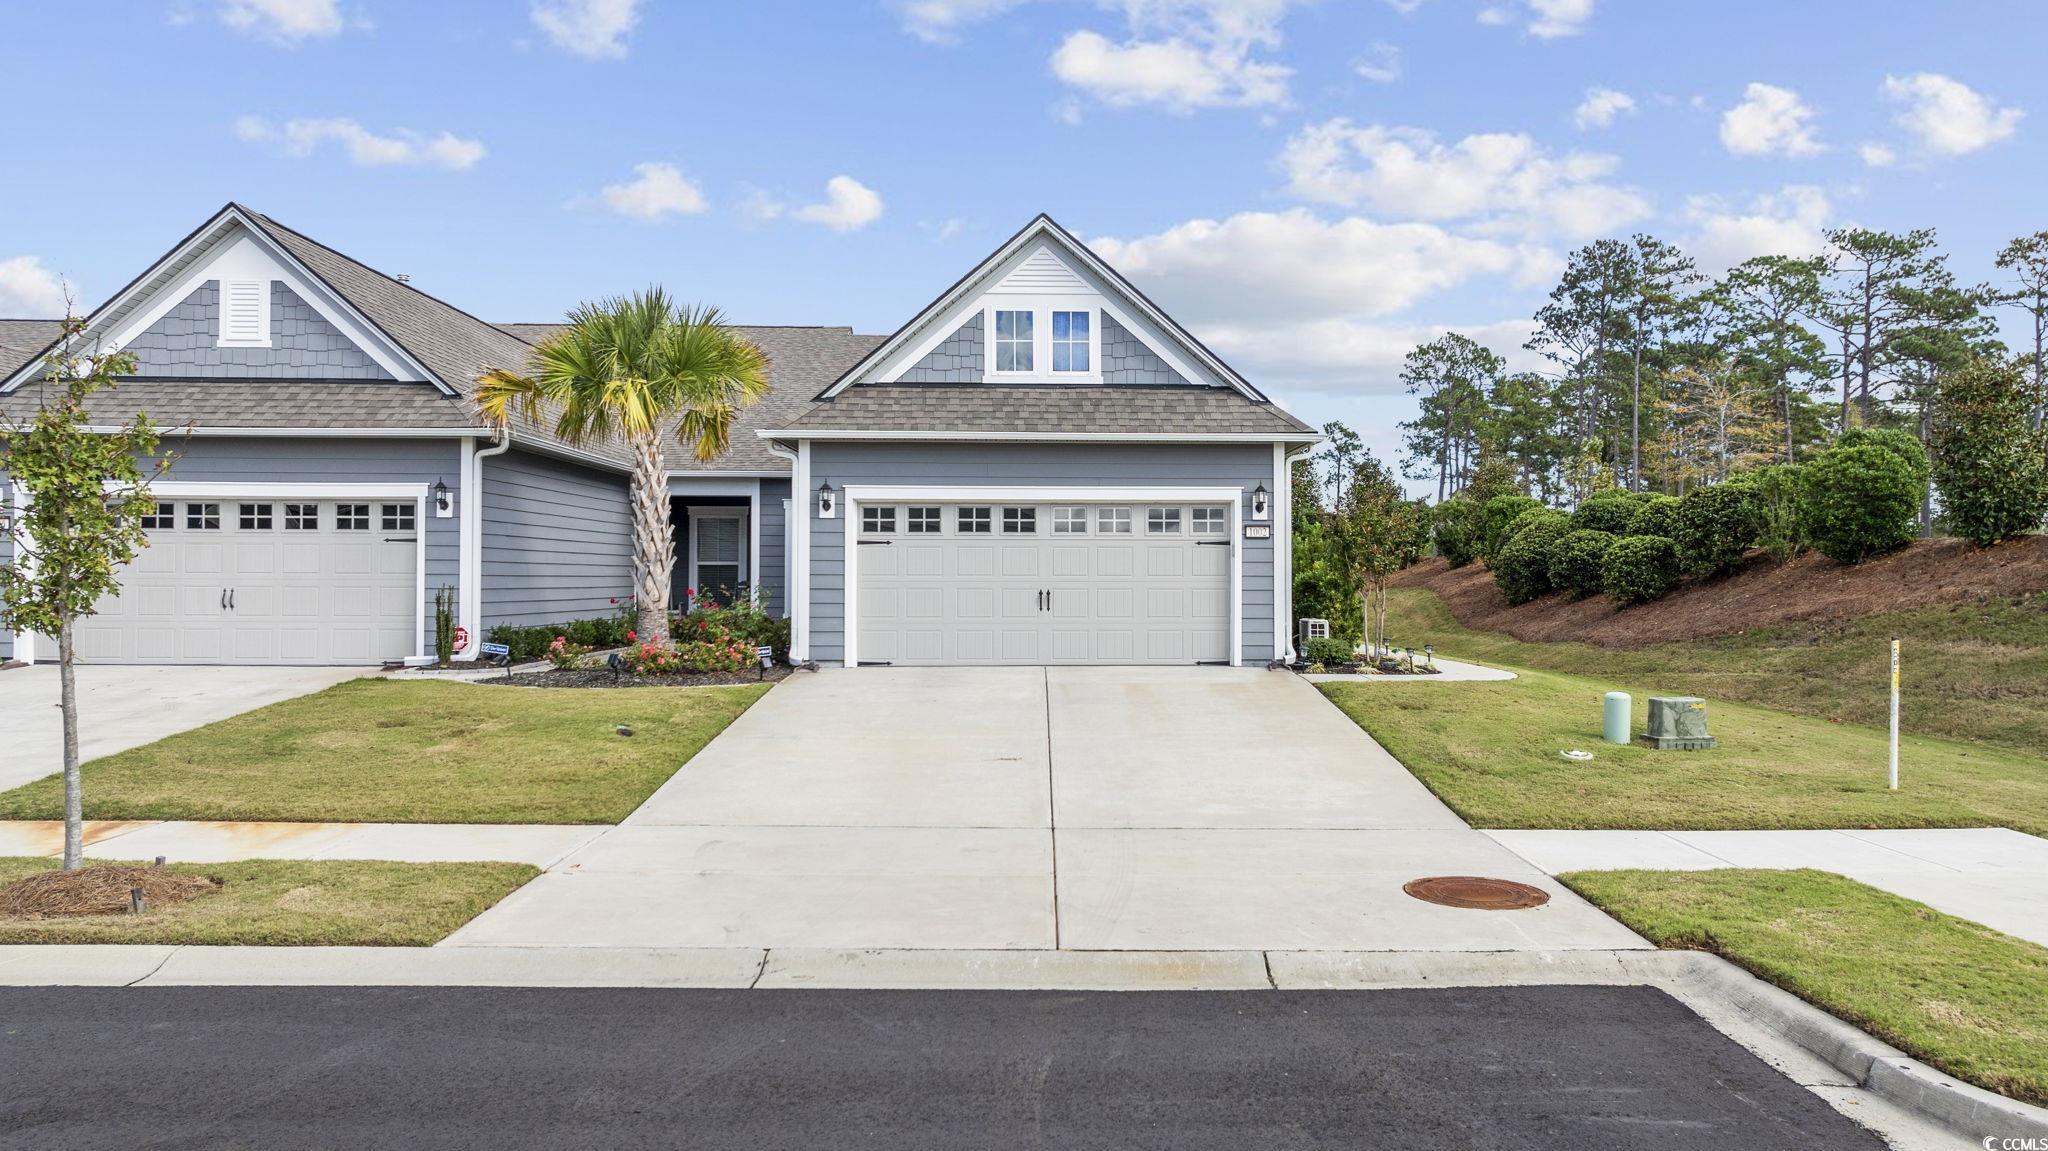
1042 583
268 582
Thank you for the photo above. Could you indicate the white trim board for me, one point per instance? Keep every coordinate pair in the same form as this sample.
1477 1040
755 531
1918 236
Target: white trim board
857 494
1049 437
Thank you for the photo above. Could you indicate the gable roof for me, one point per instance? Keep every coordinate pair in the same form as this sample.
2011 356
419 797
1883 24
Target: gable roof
995 412
1042 228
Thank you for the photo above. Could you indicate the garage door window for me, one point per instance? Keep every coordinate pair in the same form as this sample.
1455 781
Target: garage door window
398 517
1114 521
1020 521
163 518
878 521
352 517
1207 521
255 517
202 517
1070 521
1162 521
974 521
924 521
302 517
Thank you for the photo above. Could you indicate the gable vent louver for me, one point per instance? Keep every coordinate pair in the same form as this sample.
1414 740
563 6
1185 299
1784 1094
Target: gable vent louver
244 313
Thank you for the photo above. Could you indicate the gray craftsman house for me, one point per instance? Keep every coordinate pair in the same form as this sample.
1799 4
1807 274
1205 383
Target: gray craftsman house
1040 467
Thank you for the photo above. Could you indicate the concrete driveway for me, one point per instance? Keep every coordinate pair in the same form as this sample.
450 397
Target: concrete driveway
124 707
1007 808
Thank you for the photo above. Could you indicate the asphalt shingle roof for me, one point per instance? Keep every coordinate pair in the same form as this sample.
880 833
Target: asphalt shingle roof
969 408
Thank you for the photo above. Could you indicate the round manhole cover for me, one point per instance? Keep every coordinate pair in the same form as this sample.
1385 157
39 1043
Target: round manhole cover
1476 892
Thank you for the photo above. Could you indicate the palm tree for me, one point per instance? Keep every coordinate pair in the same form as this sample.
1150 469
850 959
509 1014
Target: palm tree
636 367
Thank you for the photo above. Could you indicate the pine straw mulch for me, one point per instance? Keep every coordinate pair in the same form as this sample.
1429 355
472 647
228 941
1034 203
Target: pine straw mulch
98 891
605 677
1761 593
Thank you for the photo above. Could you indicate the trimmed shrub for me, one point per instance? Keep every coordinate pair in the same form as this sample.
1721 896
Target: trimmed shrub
1575 561
1455 527
1716 526
1656 516
1608 510
1992 462
1897 441
1777 497
1501 511
1638 569
528 643
1522 567
1329 651
1859 501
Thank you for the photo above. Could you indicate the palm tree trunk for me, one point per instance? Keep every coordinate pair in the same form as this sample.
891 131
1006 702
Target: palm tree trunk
654 539
67 701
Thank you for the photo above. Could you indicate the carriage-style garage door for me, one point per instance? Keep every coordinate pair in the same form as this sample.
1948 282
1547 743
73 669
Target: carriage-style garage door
1041 583
266 581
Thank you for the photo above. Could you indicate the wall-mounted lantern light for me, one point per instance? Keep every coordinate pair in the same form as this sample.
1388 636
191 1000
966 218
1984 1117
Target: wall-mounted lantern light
828 500
1262 503
443 505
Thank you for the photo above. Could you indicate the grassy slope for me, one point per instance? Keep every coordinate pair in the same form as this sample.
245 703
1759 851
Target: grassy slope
1961 996
1971 671
293 903
410 752
1490 751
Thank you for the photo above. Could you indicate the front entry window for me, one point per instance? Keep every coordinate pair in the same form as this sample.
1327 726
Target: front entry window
718 547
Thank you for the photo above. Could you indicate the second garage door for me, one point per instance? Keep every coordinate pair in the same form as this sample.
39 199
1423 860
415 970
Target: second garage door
955 583
266 581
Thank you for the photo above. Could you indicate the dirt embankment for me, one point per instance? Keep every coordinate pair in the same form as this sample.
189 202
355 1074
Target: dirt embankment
1761 593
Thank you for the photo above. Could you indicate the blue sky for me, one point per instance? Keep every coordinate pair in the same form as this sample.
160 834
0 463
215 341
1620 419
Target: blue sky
1313 187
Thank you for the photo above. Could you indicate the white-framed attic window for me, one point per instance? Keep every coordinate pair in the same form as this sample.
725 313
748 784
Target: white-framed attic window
1048 340
244 313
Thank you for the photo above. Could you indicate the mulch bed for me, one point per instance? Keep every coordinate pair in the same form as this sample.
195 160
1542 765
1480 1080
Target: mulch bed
604 677
98 891
1384 667
1761 593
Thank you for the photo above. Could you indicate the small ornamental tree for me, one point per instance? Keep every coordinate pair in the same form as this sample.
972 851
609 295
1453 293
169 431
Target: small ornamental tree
1990 462
81 524
1381 538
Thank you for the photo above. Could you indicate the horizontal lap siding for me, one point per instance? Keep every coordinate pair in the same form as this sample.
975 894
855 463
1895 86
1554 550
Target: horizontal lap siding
557 541
6 556
773 578
1243 466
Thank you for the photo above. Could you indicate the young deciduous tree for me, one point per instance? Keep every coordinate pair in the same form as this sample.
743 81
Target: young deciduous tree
1382 530
82 523
1989 459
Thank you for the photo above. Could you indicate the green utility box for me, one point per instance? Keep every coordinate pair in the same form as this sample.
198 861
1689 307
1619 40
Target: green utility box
1678 723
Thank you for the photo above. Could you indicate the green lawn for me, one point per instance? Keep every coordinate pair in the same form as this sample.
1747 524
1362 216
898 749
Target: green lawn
1490 750
1975 672
1956 994
292 903
374 750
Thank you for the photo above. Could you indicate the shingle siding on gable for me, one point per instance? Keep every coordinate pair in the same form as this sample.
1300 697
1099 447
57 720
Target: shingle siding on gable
1126 359
185 343
956 361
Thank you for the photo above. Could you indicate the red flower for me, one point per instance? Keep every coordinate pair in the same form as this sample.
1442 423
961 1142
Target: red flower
691 592
632 637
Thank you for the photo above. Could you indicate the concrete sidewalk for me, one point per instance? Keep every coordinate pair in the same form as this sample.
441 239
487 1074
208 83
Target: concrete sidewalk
192 841
1991 875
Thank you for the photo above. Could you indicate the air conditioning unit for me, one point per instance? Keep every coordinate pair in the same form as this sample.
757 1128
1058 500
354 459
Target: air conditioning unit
1678 723
1313 629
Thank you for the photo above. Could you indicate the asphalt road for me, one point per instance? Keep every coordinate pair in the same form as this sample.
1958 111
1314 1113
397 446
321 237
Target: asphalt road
1565 1067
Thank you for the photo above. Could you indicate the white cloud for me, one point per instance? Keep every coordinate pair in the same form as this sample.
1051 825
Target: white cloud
1877 155
943 230
1381 63
592 29
848 206
940 21
401 148
283 21
1769 120
1500 181
1600 107
1788 222
1946 116
30 291
1176 74
655 192
1548 19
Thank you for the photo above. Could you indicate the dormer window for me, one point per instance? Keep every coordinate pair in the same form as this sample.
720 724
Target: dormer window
1070 341
245 313
1014 341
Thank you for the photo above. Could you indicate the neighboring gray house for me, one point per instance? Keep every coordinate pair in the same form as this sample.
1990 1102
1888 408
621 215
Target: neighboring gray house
1041 467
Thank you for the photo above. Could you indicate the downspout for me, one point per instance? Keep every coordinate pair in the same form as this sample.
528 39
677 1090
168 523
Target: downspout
1283 545
470 561
796 585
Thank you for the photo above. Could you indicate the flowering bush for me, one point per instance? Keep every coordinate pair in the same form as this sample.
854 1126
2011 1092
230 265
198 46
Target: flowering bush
564 654
651 659
716 657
